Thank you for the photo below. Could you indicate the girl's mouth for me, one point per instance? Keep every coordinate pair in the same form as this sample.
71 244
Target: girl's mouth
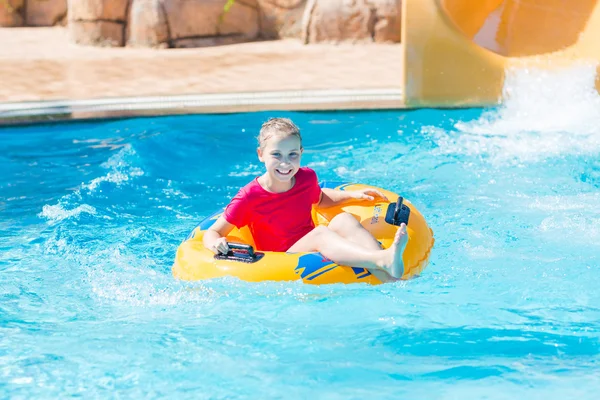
288 172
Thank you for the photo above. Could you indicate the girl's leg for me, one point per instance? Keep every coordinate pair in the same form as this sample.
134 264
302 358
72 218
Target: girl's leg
344 252
348 227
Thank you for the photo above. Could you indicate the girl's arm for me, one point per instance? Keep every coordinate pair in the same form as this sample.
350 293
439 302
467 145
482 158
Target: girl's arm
214 238
332 197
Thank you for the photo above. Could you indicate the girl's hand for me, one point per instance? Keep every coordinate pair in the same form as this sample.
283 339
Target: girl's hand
220 246
367 194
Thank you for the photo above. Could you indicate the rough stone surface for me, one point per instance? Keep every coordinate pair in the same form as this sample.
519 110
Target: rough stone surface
206 42
147 24
91 10
98 33
11 13
357 21
45 12
207 19
338 20
98 22
281 18
200 23
388 20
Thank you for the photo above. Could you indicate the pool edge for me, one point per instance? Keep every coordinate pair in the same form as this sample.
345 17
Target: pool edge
14 113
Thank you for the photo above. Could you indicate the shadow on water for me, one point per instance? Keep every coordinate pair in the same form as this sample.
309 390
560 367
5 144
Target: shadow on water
470 372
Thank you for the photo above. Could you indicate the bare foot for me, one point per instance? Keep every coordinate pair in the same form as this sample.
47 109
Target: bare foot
392 259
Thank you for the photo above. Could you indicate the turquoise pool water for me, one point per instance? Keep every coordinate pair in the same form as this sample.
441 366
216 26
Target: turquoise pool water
91 214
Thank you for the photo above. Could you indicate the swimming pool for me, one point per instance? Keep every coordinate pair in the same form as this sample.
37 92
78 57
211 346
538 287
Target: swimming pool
91 214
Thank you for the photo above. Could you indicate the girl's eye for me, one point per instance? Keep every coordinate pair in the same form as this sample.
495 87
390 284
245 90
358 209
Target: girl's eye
293 155
277 154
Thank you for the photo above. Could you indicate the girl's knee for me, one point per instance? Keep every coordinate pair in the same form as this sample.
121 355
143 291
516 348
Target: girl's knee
320 231
343 221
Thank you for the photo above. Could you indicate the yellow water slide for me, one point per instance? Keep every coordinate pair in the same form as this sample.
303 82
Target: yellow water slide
457 52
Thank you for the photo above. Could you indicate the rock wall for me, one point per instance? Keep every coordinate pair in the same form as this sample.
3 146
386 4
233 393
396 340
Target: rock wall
197 23
363 21
15 13
281 18
192 23
98 22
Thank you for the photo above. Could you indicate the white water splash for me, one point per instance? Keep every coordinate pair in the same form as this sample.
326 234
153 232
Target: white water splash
243 171
579 201
58 213
575 227
119 287
120 171
170 192
126 278
546 114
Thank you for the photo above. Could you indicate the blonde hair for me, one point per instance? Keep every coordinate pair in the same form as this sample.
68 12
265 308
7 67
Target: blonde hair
280 127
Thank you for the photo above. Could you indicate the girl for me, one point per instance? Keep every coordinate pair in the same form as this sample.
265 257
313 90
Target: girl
277 209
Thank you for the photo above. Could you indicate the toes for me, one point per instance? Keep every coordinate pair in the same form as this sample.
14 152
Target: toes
401 234
401 231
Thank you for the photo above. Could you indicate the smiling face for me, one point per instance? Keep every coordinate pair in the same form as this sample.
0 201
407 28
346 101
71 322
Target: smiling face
281 156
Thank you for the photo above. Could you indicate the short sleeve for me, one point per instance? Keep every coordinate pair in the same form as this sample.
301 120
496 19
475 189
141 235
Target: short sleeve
314 188
238 210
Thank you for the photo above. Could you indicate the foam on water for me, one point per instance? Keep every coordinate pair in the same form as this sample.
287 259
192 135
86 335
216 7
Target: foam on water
119 169
546 114
57 213
119 172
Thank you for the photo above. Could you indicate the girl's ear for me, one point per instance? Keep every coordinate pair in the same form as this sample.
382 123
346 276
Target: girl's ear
259 152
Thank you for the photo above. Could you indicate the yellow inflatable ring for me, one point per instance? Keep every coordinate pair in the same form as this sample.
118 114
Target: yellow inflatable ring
194 262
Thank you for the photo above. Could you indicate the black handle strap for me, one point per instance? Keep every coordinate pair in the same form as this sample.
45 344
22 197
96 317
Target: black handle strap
398 207
240 252
397 213
239 246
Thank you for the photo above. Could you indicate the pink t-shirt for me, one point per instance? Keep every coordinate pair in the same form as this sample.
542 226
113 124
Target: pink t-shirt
276 220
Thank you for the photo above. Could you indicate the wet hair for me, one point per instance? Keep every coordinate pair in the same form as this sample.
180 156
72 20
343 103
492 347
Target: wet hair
280 127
